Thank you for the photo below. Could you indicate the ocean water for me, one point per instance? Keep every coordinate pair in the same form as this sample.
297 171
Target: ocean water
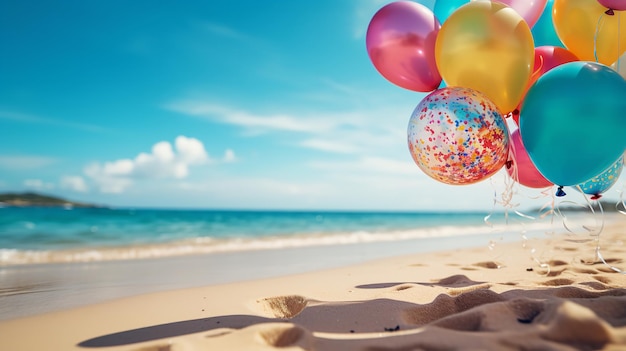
49 235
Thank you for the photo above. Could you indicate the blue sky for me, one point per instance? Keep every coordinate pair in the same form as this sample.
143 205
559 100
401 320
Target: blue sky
208 104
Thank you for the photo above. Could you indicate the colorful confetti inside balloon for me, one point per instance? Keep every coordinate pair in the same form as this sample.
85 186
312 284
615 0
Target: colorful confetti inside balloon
604 181
457 136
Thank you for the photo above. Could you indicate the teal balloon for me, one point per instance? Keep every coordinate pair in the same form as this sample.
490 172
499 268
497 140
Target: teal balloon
543 30
573 121
444 8
604 181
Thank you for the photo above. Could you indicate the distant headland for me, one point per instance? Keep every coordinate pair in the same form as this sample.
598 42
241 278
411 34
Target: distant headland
29 199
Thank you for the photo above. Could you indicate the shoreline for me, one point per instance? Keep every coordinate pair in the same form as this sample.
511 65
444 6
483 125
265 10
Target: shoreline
199 245
33 289
468 297
42 288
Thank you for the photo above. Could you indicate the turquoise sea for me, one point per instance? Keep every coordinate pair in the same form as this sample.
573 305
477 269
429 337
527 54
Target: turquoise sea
56 258
49 234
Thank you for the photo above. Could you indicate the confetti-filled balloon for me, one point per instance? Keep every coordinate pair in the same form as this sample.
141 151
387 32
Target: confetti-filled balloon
457 136
604 181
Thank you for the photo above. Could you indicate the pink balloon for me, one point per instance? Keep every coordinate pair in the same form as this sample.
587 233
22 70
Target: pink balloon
619 5
530 10
401 44
546 58
521 168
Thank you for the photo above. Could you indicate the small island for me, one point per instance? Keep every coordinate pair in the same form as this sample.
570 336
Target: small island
29 199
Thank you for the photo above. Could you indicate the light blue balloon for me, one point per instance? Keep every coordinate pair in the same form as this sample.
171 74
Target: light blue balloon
573 121
604 181
444 8
543 30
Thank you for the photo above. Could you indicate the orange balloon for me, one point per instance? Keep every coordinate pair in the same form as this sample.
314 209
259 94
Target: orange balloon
486 46
588 32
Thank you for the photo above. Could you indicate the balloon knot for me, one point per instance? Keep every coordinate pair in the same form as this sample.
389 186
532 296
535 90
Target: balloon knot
516 112
560 192
596 197
508 164
609 12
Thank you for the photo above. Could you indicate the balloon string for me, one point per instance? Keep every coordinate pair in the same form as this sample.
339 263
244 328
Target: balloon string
592 231
538 70
619 17
599 255
597 231
549 207
621 210
504 199
622 201
595 37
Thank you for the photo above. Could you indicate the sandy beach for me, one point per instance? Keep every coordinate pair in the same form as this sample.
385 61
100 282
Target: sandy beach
546 295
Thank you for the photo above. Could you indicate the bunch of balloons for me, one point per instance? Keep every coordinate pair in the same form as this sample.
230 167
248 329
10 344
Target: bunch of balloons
552 66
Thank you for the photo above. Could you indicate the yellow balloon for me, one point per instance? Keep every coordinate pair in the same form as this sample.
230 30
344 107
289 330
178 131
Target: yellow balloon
583 26
487 46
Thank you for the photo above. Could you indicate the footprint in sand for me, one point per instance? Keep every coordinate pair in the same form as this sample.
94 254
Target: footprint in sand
488 265
457 280
596 285
585 270
402 287
281 335
557 282
284 307
602 279
445 305
460 284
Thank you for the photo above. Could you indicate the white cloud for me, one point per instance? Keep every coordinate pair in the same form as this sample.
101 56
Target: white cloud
106 182
25 162
122 167
27 118
38 184
391 188
74 183
369 164
356 131
251 192
162 162
330 146
191 151
229 156
254 122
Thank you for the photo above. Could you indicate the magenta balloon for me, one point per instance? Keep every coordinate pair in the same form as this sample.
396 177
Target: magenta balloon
619 5
522 169
530 10
401 44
